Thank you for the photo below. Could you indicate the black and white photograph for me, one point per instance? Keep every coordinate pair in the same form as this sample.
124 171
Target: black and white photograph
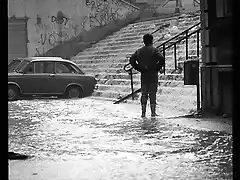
120 90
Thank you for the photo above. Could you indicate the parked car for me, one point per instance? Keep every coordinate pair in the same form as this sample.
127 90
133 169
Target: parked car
48 76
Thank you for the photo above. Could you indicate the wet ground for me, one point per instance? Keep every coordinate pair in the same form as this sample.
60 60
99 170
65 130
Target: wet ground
93 139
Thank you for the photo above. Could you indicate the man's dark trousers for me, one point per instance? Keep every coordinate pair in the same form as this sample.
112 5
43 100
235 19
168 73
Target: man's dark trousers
149 85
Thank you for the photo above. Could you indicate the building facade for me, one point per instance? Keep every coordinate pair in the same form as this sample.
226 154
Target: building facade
216 71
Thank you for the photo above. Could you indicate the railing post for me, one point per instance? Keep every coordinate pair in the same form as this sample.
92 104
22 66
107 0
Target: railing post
131 75
198 88
175 56
198 85
198 43
198 95
187 45
164 68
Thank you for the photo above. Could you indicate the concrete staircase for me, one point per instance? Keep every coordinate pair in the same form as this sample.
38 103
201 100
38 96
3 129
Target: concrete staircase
106 59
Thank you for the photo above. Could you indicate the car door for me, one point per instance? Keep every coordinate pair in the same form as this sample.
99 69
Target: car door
63 76
48 71
33 81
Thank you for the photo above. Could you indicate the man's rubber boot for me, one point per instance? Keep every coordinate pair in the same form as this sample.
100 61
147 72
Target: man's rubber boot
143 111
153 110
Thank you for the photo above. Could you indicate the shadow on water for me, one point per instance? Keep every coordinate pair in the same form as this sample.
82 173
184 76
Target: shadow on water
149 125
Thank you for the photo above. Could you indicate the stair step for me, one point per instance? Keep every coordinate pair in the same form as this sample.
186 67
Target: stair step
171 19
98 58
160 97
117 42
121 70
176 77
133 47
153 27
120 63
165 83
138 41
100 65
137 38
149 29
126 51
146 26
120 47
86 59
191 40
176 91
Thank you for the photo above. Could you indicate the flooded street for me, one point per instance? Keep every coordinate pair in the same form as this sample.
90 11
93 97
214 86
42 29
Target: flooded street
87 139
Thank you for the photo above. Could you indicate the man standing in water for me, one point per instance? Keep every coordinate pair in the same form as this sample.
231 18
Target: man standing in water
148 60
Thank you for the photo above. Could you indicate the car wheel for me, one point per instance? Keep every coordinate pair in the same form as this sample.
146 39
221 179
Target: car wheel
74 92
13 93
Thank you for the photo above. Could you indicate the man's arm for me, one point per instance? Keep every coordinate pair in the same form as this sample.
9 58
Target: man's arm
160 60
133 61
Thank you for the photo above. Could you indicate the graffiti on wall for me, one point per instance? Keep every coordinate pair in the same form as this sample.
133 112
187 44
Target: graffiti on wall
64 20
59 27
53 31
104 11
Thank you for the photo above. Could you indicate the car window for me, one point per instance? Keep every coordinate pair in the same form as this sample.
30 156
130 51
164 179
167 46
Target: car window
39 67
29 69
48 67
62 67
44 67
22 65
13 64
77 69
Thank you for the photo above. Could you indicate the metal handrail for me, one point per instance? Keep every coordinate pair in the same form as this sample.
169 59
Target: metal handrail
165 25
182 33
130 4
168 25
179 39
197 1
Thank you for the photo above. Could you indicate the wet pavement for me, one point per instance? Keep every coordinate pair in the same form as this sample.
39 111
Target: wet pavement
88 139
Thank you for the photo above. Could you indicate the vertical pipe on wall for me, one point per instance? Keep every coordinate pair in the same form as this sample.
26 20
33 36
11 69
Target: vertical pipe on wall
27 41
198 88
198 43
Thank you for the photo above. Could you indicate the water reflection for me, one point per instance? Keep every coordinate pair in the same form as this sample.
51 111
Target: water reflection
88 128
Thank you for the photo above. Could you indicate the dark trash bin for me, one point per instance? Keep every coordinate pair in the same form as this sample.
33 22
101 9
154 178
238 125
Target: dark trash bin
191 72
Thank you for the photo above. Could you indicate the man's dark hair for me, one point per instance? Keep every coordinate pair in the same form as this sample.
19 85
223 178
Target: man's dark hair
148 39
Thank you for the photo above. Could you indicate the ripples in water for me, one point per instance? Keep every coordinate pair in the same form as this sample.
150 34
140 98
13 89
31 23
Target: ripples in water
88 128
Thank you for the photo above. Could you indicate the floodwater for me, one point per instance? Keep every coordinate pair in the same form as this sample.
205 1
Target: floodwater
94 139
